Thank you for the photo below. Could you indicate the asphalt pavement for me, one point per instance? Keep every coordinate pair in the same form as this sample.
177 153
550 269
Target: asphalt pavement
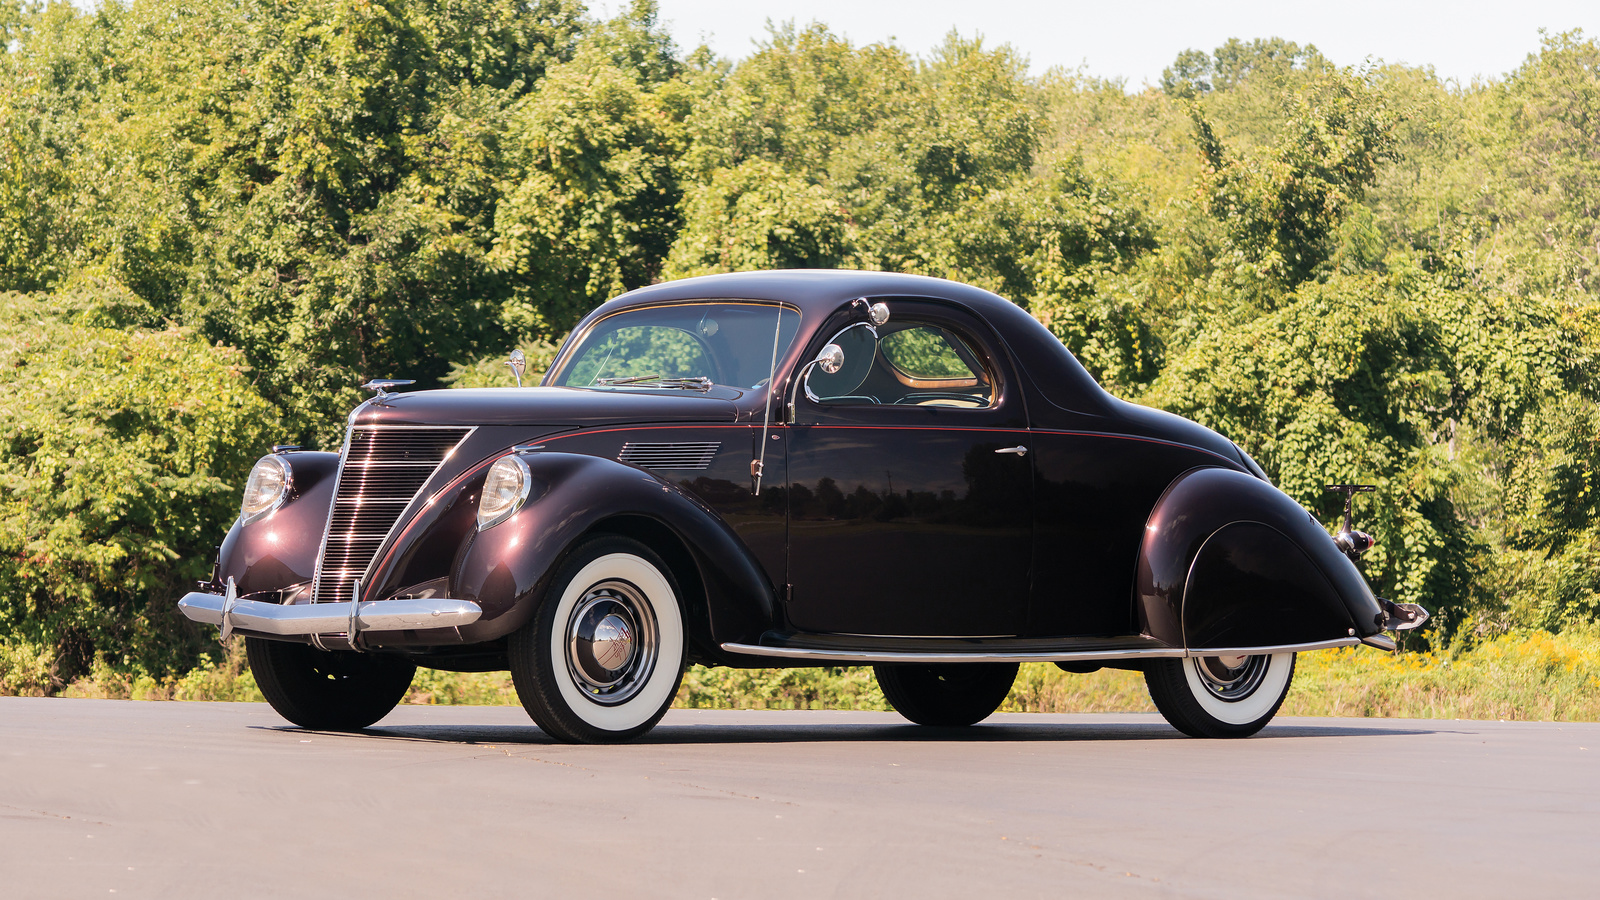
225 800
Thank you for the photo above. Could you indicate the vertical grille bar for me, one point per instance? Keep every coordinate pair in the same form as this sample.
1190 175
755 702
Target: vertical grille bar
381 471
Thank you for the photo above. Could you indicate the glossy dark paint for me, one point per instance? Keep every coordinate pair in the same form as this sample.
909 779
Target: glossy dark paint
1237 592
1251 585
903 520
506 568
1094 492
280 549
1114 530
563 406
909 530
726 486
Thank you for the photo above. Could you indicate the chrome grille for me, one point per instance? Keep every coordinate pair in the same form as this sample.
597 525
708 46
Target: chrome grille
688 455
382 470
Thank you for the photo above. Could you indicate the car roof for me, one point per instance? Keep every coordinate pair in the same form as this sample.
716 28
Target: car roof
817 293
812 290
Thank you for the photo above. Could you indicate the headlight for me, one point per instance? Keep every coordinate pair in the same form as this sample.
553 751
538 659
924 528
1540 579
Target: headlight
504 490
266 489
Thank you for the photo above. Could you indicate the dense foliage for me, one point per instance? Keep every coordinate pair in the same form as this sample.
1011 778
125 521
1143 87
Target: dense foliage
217 217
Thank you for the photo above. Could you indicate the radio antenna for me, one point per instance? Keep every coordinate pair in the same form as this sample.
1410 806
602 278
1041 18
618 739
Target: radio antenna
759 464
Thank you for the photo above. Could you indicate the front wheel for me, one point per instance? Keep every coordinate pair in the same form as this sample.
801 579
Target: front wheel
601 660
1220 696
327 690
949 694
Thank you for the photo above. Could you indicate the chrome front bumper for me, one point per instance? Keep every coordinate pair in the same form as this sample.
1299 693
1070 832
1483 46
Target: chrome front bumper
327 618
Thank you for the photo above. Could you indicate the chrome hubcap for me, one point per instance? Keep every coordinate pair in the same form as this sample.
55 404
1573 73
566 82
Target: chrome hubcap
611 642
1231 678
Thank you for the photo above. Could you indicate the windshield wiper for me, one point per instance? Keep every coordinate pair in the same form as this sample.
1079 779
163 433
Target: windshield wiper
633 380
696 383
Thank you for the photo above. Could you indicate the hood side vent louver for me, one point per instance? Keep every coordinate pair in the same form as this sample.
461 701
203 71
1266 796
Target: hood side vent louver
689 455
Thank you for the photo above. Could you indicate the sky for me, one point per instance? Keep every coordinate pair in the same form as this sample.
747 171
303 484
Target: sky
1136 39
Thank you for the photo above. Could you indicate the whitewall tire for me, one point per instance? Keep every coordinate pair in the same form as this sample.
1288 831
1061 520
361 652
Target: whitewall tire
601 660
1220 696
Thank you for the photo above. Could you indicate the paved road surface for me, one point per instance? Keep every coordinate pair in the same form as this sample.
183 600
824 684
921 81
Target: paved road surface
218 800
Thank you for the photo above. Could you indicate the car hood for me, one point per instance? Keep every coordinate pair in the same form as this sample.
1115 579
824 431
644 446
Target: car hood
547 406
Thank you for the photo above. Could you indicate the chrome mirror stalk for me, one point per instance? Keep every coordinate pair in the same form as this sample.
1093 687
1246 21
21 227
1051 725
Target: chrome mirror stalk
830 360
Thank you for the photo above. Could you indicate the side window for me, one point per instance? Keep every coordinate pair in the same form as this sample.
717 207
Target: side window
923 364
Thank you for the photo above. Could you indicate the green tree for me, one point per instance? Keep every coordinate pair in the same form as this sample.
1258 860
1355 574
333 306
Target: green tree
590 193
124 452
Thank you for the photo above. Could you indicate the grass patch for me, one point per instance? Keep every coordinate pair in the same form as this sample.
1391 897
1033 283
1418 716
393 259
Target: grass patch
1535 676
228 680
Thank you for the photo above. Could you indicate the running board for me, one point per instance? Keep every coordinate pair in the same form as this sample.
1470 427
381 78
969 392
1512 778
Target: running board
821 655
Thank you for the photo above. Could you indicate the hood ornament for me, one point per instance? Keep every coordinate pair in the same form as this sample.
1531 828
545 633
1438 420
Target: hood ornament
381 386
518 363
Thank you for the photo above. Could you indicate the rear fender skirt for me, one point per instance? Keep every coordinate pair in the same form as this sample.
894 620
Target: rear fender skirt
1228 560
507 568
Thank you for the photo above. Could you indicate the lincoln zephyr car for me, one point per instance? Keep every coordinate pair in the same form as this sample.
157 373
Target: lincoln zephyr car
793 468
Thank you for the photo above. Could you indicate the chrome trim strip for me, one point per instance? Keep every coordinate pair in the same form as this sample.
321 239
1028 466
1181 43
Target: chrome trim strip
330 618
1279 648
864 656
333 503
919 656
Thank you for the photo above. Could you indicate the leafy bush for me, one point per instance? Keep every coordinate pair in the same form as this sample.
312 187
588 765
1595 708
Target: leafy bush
123 453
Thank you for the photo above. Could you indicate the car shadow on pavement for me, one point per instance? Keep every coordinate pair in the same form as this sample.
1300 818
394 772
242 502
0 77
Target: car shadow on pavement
788 733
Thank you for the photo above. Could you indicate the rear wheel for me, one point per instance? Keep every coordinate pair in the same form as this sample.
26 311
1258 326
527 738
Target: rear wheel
601 660
327 690
949 694
1220 696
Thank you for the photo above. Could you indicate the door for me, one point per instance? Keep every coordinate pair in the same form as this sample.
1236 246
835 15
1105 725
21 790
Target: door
909 487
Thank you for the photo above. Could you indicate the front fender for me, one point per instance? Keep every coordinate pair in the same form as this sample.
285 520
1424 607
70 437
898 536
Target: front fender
507 568
1227 560
279 550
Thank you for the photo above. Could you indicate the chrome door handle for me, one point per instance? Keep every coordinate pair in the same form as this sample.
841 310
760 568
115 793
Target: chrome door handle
1018 450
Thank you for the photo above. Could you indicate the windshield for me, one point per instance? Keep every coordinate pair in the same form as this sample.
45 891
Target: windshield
728 342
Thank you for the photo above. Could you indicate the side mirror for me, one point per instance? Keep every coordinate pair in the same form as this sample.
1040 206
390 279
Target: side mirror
518 363
841 365
877 313
831 359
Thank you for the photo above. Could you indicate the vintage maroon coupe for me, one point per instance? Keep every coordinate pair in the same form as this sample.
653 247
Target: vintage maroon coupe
792 468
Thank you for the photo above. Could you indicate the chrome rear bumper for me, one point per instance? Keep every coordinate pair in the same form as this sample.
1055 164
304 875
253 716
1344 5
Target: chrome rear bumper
328 618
